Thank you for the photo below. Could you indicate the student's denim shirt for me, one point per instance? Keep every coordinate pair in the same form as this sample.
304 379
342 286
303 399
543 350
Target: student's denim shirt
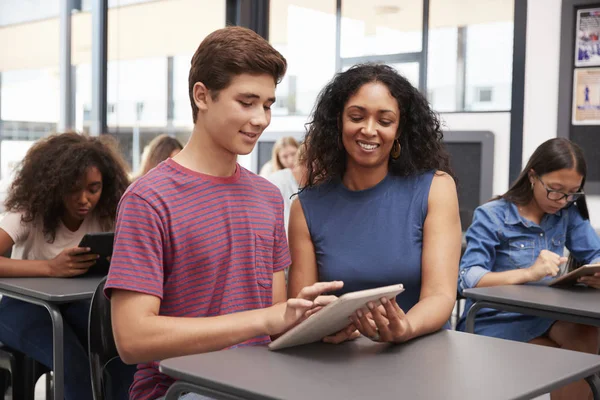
499 239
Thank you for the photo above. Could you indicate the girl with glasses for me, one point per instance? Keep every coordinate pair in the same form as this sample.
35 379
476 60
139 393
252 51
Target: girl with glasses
520 237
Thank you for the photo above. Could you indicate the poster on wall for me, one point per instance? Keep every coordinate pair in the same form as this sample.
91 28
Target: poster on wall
586 96
587 45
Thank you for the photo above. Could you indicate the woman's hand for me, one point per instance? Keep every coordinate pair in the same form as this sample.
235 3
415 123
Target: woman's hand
591 281
387 323
71 262
348 333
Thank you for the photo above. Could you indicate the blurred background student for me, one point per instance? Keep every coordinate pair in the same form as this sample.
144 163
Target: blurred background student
284 153
159 149
289 181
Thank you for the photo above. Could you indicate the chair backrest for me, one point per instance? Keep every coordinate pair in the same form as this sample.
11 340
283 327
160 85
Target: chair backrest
103 350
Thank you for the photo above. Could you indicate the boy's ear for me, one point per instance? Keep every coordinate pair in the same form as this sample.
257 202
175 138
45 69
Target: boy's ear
201 96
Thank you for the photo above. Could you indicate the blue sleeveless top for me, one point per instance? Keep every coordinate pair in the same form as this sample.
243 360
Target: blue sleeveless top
370 238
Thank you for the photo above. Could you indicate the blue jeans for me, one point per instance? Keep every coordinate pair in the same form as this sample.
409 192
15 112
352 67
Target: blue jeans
28 328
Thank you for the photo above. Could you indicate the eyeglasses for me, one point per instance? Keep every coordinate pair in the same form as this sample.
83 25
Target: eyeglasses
556 195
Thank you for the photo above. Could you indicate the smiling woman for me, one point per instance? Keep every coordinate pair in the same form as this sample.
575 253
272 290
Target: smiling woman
401 112
380 205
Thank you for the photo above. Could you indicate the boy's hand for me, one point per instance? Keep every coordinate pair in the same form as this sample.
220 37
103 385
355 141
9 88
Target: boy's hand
282 317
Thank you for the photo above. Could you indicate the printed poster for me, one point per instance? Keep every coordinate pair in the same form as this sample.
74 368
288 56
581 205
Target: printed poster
587 44
586 96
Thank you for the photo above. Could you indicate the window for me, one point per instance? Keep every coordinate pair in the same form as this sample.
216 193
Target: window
470 48
389 32
484 95
304 32
381 27
28 71
150 45
16 12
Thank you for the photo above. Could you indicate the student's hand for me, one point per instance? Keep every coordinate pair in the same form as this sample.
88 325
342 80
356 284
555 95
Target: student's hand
591 281
71 262
284 316
348 333
546 265
384 324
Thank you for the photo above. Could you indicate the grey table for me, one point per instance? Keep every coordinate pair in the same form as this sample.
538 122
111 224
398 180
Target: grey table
50 293
574 304
445 365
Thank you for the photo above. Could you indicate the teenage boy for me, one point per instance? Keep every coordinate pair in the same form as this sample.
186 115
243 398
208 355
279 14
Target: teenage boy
200 248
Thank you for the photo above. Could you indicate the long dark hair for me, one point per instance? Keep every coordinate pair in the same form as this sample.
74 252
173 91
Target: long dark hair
552 155
419 128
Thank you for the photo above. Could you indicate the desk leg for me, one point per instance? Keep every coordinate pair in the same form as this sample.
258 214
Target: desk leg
594 383
58 351
179 388
57 338
470 322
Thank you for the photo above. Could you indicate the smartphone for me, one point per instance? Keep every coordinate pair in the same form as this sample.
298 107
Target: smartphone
101 244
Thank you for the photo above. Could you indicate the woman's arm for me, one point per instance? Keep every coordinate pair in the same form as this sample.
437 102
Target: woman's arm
441 254
303 271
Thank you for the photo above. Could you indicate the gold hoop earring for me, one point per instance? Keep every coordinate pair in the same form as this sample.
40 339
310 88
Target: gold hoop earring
396 149
532 185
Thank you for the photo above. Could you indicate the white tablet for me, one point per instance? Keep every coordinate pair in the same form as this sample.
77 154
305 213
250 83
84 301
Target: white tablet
571 277
333 317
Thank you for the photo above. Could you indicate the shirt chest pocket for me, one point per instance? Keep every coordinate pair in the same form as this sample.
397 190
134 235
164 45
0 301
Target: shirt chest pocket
558 244
521 252
264 259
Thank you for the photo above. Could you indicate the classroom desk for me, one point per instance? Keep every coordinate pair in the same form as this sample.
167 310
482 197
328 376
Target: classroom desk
573 304
445 365
50 293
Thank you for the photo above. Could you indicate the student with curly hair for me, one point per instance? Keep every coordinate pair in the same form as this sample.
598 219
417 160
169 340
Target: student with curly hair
380 204
67 185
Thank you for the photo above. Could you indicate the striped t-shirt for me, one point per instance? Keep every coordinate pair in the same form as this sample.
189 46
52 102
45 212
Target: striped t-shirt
205 245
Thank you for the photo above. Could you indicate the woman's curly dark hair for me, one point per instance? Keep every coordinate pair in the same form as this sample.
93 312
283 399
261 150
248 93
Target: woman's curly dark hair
54 166
419 127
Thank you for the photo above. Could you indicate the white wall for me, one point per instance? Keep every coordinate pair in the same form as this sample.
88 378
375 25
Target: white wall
541 82
541 73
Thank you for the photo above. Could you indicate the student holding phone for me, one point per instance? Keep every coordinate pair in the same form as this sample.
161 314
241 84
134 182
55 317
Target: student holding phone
520 237
67 185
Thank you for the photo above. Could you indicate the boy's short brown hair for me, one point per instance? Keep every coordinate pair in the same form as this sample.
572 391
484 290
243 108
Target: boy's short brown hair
232 51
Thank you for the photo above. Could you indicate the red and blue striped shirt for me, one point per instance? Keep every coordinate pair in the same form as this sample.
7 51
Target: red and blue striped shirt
204 245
